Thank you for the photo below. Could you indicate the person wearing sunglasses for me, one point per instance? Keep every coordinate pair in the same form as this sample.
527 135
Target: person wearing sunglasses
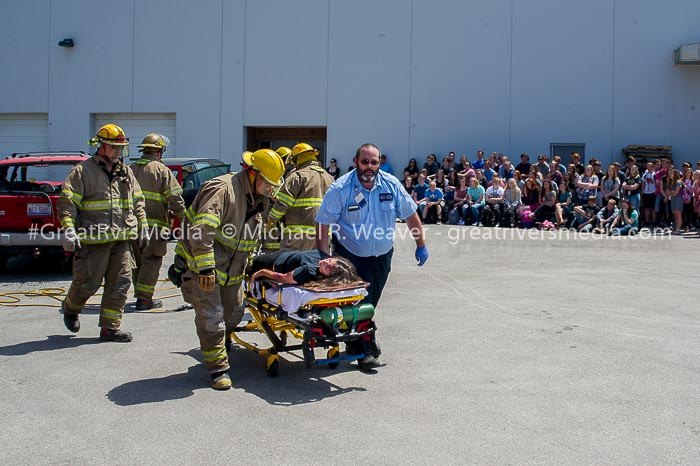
361 209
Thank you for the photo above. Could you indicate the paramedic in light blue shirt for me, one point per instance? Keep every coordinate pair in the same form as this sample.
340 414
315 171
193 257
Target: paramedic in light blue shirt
360 210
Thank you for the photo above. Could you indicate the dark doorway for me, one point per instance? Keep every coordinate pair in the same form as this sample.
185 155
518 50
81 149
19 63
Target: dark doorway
564 151
259 137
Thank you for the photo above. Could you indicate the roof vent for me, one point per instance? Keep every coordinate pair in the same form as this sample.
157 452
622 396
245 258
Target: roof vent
688 54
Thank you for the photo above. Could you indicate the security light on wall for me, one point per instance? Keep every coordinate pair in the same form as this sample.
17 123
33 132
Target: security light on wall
66 43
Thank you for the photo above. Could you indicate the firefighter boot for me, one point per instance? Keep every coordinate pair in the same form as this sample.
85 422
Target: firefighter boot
220 381
71 321
143 304
110 334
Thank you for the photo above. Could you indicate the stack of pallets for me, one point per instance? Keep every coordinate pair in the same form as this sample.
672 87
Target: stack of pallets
648 152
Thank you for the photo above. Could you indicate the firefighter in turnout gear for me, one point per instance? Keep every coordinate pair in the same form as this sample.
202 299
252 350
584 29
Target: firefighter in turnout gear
163 196
299 199
101 208
220 230
271 238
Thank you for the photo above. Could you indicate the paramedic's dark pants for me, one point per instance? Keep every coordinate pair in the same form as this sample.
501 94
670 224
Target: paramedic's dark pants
374 269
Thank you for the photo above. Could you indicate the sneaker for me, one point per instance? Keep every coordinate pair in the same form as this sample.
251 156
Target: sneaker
71 321
368 363
220 381
146 304
110 334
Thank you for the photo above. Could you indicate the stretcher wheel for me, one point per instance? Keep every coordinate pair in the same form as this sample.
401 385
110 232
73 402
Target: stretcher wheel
333 352
272 365
308 352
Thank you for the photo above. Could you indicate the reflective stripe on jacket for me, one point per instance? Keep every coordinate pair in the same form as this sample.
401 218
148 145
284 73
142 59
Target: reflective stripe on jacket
161 190
216 233
101 209
300 197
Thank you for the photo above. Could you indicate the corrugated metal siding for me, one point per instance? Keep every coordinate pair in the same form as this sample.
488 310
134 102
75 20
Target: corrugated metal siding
138 125
23 132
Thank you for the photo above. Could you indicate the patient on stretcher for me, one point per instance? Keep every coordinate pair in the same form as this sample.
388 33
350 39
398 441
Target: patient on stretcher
312 270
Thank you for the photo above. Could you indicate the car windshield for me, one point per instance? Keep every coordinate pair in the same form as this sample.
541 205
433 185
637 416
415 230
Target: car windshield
16 176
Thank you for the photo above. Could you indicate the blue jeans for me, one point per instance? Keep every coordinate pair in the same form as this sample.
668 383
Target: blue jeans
474 210
634 201
623 231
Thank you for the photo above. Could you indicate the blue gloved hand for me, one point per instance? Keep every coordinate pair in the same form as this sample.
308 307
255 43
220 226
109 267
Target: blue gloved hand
422 255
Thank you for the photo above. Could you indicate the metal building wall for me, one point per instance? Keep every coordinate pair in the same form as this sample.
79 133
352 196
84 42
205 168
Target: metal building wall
413 76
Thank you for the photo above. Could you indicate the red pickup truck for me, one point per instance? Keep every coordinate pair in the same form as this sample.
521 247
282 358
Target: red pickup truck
30 184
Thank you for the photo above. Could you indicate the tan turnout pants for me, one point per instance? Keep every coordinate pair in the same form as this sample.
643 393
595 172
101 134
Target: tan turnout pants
148 263
92 264
216 312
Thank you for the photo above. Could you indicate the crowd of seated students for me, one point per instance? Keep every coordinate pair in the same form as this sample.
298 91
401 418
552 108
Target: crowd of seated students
619 200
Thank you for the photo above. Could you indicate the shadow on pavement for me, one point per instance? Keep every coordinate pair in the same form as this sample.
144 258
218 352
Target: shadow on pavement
52 342
295 385
170 387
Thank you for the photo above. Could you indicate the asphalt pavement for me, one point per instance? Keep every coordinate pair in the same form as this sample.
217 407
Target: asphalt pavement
508 347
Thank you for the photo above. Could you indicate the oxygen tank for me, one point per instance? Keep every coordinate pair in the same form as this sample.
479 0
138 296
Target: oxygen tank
346 314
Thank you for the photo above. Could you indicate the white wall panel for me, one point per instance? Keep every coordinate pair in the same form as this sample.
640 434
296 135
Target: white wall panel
459 77
177 68
286 62
562 75
653 99
368 76
231 136
95 76
24 56
23 132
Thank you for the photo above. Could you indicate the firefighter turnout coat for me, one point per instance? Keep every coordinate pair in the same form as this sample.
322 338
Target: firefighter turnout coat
298 202
106 209
163 196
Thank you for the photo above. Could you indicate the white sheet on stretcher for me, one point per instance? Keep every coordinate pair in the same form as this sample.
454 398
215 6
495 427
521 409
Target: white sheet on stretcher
294 297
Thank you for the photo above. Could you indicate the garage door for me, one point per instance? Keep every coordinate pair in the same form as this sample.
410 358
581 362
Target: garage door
138 125
23 132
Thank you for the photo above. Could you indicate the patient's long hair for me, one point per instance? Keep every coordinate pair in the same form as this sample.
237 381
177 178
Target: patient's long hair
343 276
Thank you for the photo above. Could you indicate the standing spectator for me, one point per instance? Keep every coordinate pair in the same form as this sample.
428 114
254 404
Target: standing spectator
431 164
163 196
609 186
101 208
632 187
673 188
475 201
299 199
587 185
627 222
649 194
524 165
411 170
696 197
386 166
576 161
358 199
621 174
333 169
661 215
542 165
687 195
479 162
